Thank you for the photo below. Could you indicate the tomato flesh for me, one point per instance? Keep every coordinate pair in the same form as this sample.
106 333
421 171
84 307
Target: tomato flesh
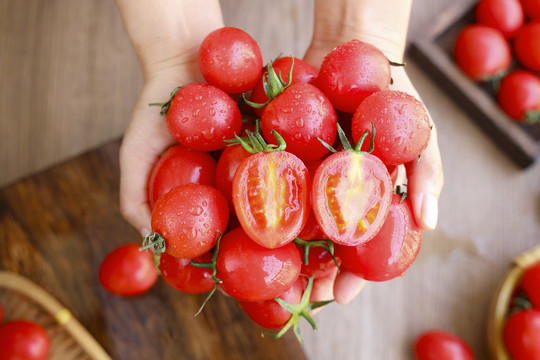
271 197
351 197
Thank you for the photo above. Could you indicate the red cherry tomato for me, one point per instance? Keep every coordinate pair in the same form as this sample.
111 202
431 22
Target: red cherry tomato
250 272
301 114
312 230
440 345
228 162
531 283
1 313
179 166
351 72
504 15
519 96
482 52
320 262
391 251
188 218
302 73
230 59
271 197
522 335
527 45
269 314
402 127
531 9
126 271
182 276
23 340
351 195
200 116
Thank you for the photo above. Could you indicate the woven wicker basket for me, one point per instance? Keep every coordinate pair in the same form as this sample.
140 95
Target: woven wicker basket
502 300
23 299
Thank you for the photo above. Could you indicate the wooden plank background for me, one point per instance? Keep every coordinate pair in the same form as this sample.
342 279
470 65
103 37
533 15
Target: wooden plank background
69 79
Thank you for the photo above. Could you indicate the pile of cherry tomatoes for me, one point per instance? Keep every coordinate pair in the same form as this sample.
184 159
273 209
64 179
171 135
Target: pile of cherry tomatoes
502 47
283 174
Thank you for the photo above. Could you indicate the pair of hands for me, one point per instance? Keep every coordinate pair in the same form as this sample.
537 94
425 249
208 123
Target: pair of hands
166 40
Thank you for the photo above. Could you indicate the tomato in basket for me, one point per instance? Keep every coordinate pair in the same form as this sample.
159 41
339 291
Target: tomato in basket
25 340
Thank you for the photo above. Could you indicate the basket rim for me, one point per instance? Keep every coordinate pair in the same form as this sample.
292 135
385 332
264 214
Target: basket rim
21 284
502 299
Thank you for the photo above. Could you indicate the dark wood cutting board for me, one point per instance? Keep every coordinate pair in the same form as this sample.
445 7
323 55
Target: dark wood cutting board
57 226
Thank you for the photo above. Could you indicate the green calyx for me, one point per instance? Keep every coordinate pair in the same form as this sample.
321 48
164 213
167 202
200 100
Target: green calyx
299 311
347 146
155 241
165 106
254 142
273 85
531 117
326 244
210 265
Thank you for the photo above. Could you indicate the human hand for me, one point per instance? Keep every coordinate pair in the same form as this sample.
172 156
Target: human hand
166 39
383 24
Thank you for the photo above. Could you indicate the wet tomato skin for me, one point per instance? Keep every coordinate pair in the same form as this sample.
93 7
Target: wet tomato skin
271 197
188 218
182 276
402 127
178 166
200 116
250 272
229 160
391 251
351 196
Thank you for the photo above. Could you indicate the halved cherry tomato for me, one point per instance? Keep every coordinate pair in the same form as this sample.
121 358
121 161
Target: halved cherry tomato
182 276
351 197
351 72
269 314
127 271
25 340
250 272
391 251
522 335
482 52
401 122
271 197
188 218
531 283
441 345
179 166
200 116
230 59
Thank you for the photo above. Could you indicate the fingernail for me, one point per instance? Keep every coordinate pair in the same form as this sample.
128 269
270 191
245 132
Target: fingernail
430 211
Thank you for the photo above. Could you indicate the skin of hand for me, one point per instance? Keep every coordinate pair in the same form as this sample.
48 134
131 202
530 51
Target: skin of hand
383 24
166 39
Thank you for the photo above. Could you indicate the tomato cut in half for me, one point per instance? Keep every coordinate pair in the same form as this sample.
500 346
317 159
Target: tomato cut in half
271 197
250 272
351 196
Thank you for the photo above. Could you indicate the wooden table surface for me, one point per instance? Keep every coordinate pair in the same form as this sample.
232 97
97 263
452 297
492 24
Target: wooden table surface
489 207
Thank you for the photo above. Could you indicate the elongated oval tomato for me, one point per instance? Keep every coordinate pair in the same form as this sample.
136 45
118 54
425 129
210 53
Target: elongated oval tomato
301 114
402 127
188 218
351 72
126 271
391 251
351 195
179 166
184 277
271 197
250 272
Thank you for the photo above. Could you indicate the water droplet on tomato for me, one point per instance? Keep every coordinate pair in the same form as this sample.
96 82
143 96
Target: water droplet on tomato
196 210
299 122
196 112
212 111
184 120
198 97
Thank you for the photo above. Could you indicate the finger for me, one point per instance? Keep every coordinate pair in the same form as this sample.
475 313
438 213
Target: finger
347 286
425 182
145 139
323 289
